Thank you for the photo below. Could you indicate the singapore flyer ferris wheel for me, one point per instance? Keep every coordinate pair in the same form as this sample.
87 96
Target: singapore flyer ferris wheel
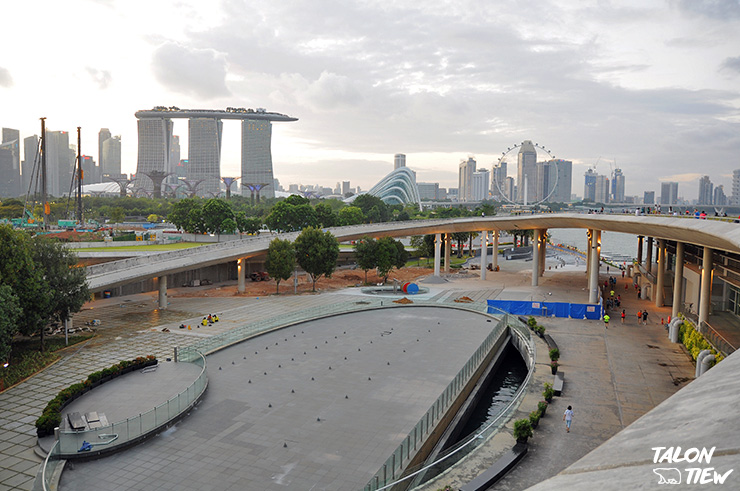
535 181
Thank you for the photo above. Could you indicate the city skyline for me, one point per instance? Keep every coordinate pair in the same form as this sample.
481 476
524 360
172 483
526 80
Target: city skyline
651 85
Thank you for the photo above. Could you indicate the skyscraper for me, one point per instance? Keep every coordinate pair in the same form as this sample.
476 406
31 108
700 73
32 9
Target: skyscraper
648 198
617 186
497 181
103 135
110 158
59 163
257 157
719 198
526 173
399 160
204 154
589 185
10 163
601 189
669 193
465 180
155 138
736 187
706 191
562 170
30 154
481 179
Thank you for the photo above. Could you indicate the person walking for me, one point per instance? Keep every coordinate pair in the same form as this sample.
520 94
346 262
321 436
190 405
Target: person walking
568 418
606 321
624 314
639 316
644 317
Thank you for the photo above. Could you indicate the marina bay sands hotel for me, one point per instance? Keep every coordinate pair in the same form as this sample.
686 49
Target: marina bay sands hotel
204 148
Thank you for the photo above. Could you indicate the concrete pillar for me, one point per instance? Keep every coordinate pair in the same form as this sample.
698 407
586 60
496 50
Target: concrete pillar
649 256
448 249
678 281
590 234
241 266
162 280
706 286
437 258
494 259
660 284
640 242
536 258
543 250
483 254
593 274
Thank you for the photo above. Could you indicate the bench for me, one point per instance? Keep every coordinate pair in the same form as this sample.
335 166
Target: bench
551 344
557 384
497 470
76 422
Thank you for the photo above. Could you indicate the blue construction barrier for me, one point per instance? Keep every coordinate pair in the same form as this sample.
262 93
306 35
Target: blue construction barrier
547 309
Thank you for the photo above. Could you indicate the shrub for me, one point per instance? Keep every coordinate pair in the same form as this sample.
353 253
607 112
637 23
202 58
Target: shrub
554 354
542 407
531 322
549 392
522 429
534 418
695 342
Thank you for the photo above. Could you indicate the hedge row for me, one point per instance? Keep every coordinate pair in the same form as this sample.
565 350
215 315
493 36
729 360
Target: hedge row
695 342
51 417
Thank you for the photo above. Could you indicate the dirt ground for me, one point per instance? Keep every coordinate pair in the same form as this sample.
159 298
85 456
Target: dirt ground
340 279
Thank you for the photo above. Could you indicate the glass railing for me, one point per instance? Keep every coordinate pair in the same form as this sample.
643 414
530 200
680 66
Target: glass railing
48 470
75 443
389 475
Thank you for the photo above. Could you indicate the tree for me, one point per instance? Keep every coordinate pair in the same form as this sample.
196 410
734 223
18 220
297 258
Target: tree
365 251
10 314
19 271
280 261
460 237
424 245
317 253
186 214
389 254
248 225
325 216
117 215
64 282
366 202
215 214
287 217
350 215
153 218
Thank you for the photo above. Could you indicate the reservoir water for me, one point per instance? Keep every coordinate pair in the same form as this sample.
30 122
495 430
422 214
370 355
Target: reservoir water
613 244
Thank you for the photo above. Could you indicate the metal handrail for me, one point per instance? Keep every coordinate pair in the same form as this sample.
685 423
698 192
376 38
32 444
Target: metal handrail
46 463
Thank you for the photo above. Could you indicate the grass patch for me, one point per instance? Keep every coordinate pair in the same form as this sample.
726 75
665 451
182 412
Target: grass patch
153 247
26 360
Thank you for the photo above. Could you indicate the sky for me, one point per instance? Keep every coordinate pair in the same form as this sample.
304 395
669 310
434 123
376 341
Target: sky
649 86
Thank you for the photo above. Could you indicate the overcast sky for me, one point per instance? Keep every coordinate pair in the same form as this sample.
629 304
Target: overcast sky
651 85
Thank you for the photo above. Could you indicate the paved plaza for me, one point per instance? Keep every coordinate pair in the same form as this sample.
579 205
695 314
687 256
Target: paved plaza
613 377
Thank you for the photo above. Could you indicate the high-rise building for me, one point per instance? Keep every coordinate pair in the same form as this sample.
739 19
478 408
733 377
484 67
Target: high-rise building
526 173
10 163
30 154
589 185
497 181
601 189
736 187
257 157
110 164
706 191
510 188
719 198
60 160
103 135
617 192
399 160
204 154
481 179
561 178
465 180
345 188
669 193
648 198
155 138
90 171
428 191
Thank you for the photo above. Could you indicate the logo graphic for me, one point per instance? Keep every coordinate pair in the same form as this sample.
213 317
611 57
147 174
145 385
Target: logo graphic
668 475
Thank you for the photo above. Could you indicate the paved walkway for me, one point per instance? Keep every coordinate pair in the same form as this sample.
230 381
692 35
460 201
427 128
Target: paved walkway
611 376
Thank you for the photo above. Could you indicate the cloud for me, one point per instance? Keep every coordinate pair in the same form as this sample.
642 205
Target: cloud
686 177
731 64
6 80
714 9
191 71
101 77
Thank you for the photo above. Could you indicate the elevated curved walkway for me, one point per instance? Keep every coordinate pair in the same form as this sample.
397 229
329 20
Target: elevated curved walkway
710 233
